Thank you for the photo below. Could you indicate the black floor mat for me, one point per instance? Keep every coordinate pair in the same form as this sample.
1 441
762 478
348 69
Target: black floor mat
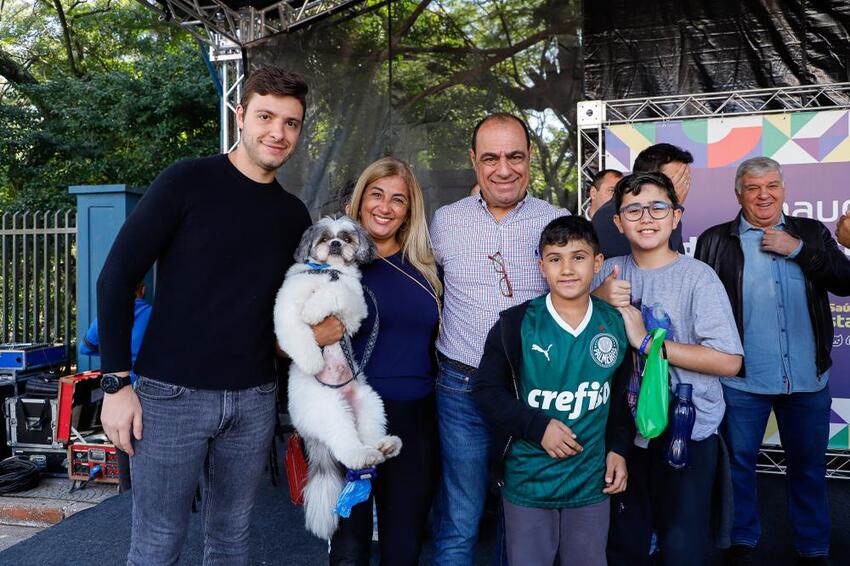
101 535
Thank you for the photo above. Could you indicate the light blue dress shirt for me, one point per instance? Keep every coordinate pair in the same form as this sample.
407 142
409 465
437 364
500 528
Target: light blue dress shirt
779 341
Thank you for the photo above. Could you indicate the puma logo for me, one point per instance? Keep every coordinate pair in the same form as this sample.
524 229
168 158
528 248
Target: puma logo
536 348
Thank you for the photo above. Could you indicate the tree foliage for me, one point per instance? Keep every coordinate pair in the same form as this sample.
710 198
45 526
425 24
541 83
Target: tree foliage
412 77
517 56
92 92
99 91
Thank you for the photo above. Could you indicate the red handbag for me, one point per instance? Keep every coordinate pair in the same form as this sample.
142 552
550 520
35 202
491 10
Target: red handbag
296 468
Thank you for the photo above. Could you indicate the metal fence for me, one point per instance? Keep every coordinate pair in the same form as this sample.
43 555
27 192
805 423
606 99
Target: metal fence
38 270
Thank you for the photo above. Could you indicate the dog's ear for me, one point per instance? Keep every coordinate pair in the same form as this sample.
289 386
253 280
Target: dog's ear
302 253
366 250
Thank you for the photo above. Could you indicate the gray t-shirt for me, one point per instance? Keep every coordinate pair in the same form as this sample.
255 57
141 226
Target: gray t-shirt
686 298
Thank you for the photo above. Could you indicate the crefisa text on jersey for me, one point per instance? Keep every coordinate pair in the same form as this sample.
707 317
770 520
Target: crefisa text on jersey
597 395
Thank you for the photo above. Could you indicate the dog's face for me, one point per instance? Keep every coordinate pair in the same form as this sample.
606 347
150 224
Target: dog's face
337 241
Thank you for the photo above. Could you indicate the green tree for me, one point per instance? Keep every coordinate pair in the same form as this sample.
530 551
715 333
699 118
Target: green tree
95 91
412 77
518 56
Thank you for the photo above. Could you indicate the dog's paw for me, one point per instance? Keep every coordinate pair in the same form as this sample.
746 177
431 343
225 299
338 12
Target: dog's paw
365 457
389 446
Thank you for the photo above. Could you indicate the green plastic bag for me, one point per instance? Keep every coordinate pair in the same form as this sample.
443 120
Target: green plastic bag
654 397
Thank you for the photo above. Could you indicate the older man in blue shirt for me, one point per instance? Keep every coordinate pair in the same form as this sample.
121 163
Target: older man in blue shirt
778 272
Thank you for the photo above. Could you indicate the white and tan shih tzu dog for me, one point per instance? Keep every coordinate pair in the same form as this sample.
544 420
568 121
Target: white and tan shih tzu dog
338 414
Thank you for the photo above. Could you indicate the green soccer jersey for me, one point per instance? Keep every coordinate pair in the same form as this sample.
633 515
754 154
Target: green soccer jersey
566 373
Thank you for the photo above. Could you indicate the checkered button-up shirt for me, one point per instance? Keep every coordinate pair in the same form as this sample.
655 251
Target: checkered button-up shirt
464 234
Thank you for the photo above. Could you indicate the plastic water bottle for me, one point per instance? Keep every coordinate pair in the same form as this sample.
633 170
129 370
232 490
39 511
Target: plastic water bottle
684 416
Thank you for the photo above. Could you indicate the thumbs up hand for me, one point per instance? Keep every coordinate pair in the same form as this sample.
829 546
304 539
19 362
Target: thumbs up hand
616 292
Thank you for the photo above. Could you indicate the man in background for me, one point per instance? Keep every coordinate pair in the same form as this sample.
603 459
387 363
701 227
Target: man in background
666 158
601 190
842 230
91 347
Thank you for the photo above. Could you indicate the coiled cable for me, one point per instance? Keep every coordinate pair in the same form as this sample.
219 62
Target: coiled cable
17 474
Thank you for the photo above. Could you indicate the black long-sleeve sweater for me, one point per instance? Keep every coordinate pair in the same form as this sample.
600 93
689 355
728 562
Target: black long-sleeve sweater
223 244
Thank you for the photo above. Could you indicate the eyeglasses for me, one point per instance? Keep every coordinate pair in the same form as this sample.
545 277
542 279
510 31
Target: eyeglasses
658 209
499 265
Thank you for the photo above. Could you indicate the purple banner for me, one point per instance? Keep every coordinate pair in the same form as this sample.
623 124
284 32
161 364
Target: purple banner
814 150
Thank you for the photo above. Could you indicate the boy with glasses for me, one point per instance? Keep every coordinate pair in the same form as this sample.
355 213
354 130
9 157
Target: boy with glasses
685 297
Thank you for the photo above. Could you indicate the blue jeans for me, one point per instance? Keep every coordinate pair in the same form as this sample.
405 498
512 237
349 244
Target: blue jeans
464 446
225 434
803 420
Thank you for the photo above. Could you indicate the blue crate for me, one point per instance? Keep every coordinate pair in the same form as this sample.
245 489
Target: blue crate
19 357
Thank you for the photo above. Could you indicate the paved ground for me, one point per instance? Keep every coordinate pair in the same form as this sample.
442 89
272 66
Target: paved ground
10 535
29 512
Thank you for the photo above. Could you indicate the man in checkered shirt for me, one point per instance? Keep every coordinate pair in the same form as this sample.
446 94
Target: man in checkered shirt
487 247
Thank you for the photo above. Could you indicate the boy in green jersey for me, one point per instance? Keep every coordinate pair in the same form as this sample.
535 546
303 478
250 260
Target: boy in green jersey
547 379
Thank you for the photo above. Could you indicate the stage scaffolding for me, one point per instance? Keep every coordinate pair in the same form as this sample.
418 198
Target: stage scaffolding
226 27
594 116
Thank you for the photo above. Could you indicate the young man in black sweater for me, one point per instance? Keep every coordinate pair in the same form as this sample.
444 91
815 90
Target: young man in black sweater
223 232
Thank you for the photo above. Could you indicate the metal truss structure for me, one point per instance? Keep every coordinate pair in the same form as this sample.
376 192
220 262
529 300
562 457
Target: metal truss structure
594 116
771 460
228 26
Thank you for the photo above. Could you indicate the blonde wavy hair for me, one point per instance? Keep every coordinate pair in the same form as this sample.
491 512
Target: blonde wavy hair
413 234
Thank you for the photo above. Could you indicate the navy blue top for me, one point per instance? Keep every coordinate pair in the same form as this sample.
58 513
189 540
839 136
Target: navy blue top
402 366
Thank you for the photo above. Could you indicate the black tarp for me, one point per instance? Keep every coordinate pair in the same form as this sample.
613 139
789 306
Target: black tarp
641 49
410 78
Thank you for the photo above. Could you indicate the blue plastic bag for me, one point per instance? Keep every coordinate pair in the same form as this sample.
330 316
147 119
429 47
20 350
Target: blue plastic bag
356 491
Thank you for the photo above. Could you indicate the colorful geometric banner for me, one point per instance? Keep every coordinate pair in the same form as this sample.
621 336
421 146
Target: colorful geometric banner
814 150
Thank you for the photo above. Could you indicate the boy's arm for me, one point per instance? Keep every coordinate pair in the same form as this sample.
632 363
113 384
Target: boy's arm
620 429
692 357
495 396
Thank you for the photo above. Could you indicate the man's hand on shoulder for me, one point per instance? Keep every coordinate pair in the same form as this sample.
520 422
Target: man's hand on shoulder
559 441
616 292
616 474
121 418
779 242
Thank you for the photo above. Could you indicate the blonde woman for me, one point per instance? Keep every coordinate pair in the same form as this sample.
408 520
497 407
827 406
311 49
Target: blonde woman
388 202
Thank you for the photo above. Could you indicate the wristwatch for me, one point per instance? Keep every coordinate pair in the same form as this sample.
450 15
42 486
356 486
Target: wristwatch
111 383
